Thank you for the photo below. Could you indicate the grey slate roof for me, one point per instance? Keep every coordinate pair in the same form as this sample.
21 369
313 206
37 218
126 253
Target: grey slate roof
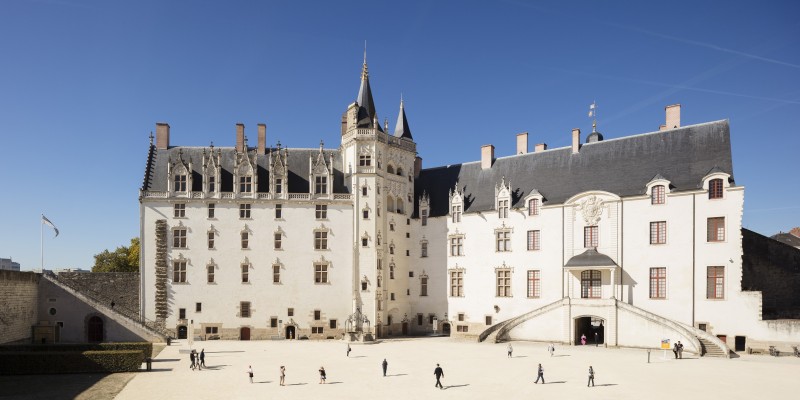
787 238
622 166
590 258
401 129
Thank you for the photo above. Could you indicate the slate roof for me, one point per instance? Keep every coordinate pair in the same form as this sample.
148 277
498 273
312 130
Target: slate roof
621 166
787 238
590 258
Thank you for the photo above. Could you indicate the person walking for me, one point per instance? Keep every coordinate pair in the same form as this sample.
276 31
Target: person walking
680 349
551 349
283 375
250 372
322 376
583 340
596 339
540 374
591 377
510 350
675 350
385 365
439 373
348 349
203 357
191 357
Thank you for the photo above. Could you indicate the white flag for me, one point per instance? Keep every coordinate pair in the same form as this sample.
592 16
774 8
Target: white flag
47 222
591 106
590 114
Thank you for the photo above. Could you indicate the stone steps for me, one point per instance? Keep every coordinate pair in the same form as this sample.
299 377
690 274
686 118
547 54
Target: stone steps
710 349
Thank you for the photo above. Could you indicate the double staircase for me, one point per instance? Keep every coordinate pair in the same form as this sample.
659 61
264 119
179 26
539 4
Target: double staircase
710 349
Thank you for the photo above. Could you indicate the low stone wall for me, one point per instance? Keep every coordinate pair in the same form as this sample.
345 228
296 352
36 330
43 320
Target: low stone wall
19 293
120 287
773 268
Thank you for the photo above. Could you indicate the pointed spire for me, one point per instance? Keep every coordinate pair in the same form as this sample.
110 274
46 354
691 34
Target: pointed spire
364 69
366 111
402 129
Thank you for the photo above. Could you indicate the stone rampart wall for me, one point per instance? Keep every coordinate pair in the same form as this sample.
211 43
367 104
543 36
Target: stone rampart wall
19 292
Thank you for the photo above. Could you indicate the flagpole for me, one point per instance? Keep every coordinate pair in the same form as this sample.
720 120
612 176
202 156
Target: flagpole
41 240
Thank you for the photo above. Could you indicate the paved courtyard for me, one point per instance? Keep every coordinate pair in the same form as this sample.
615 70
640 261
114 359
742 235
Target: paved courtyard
472 371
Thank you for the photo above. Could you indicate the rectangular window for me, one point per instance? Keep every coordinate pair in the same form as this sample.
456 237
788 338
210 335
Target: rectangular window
424 249
212 184
391 296
503 240
502 208
321 185
278 185
244 210
364 161
503 282
181 313
211 239
210 274
658 232
179 238
430 319
365 214
533 207
179 271
461 317
419 319
198 307
462 328
423 286
245 240
657 195
320 273
534 240
317 315
488 320
244 309
716 229
245 273
276 273
278 211
211 210
364 190
457 283
332 324
715 285
245 184
456 214
212 330
591 284
364 242
457 246
320 240
424 217
410 274
290 312
273 322
277 240
590 237
179 210
658 283
534 284
322 211
180 183
316 330
715 189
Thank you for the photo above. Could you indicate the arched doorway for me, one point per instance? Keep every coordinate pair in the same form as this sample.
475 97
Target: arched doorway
244 333
95 329
446 328
182 332
592 327
290 332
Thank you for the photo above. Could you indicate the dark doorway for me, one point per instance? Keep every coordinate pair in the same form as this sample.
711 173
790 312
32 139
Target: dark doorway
592 328
290 332
95 329
724 338
741 343
446 329
244 334
405 328
182 333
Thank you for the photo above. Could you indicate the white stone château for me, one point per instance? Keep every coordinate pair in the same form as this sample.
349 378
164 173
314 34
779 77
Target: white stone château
627 241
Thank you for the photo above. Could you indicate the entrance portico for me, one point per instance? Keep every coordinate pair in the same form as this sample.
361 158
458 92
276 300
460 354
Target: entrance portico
591 286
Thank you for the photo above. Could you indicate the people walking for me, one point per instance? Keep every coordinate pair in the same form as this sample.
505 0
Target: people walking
583 340
439 373
591 377
675 350
283 375
250 372
680 349
322 376
385 365
191 357
510 350
348 349
203 357
551 349
540 374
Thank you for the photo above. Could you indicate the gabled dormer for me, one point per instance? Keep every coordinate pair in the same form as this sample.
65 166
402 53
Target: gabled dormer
502 198
212 171
180 176
424 208
244 174
320 174
456 204
657 189
716 182
533 203
279 173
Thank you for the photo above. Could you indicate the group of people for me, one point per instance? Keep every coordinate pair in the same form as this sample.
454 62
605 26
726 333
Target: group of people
678 349
198 360
540 375
596 339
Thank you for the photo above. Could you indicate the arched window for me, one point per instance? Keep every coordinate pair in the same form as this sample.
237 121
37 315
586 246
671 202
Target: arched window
715 189
399 171
390 169
590 284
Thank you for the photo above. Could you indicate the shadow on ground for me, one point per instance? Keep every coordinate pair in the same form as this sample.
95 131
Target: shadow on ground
63 386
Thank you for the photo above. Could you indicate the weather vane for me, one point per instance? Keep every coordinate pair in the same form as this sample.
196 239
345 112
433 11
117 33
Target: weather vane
593 115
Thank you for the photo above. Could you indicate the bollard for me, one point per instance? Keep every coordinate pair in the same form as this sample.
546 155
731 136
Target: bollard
648 356
149 362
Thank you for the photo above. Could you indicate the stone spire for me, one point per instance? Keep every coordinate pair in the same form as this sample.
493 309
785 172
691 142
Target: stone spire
402 129
366 111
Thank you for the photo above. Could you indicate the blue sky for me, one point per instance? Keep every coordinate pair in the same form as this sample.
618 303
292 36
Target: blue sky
83 82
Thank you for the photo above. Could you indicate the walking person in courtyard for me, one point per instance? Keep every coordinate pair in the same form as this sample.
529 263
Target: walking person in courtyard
540 374
510 350
675 350
322 376
680 349
596 339
348 350
583 340
385 365
283 375
591 377
250 372
203 357
551 349
439 373
191 357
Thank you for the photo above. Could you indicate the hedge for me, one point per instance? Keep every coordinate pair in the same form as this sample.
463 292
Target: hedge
64 362
145 347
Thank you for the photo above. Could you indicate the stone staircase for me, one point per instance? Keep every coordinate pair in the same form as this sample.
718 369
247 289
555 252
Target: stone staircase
499 332
710 349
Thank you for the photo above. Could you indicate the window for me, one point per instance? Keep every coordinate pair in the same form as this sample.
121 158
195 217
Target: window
363 285
590 284
276 273
590 238
408 253
457 246
321 185
245 240
245 273
391 226
317 315
363 190
715 287
462 328
320 273
716 229
658 283
715 189
320 240
198 307
391 296
277 240
365 214
273 322
534 240
657 195
503 282
502 208
179 210
658 232
456 214
488 320
419 319
179 238
321 211
290 312
423 286
424 217
179 271
278 185
380 281
399 171
278 211
534 284
244 309
332 324
210 274
212 183
181 313
180 183
424 249
210 239
391 249
408 235
533 207
457 283
212 330
503 239
244 210
211 210
245 184
410 274
391 271
316 330
364 160
461 317
364 242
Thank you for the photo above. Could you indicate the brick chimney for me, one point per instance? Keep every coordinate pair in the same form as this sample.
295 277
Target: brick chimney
795 231
417 166
673 116
522 143
487 156
540 147
576 140
262 139
162 135
240 138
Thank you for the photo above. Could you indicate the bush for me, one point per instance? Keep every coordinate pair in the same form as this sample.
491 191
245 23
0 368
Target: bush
63 362
145 347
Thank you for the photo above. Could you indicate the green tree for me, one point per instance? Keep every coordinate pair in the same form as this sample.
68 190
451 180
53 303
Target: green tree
123 259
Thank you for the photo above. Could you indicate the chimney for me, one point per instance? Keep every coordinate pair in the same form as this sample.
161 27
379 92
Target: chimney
262 139
162 135
540 147
522 143
795 231
417 166
673 116
240 138
487 156
662 127
576 140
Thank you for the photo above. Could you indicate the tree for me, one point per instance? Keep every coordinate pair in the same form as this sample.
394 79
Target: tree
123 259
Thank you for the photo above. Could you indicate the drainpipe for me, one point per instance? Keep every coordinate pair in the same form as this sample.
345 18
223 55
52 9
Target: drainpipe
694 250
142 297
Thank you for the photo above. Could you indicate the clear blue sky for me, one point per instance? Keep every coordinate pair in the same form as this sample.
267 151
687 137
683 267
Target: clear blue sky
83 82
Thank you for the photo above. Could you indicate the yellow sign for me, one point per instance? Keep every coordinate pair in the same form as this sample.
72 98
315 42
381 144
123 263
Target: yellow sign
665 344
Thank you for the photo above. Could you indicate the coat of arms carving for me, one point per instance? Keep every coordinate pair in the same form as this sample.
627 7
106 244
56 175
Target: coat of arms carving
592 210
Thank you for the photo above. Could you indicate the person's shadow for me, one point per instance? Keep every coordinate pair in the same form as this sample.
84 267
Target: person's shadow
454 386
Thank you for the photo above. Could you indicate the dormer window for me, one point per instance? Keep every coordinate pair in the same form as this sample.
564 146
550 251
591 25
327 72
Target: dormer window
456 213
424 217
657 195
533 207
212 183
180 182
321 185
245 184
715 188
502 208
278 185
